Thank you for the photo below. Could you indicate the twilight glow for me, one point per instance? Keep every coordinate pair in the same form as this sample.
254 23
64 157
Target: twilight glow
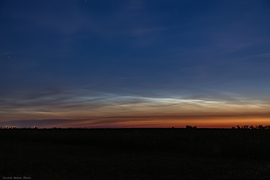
134 63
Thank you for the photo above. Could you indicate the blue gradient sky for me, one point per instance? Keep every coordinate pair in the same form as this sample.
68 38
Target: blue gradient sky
134 63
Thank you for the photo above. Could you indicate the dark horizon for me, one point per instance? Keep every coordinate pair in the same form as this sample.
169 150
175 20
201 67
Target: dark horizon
246 127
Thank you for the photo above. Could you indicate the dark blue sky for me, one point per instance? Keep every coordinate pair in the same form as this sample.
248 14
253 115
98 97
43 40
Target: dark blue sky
80 62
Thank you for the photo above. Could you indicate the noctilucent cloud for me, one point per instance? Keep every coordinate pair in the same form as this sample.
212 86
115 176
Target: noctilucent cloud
134 63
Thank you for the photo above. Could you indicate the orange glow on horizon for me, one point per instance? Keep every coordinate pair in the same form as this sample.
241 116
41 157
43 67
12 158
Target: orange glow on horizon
176 123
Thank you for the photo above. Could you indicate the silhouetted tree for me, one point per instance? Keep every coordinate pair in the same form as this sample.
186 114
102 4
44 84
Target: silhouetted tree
188 127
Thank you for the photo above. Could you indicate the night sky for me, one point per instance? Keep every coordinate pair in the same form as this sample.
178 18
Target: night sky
147 63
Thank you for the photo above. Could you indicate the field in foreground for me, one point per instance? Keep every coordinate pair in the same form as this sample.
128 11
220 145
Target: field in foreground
135 154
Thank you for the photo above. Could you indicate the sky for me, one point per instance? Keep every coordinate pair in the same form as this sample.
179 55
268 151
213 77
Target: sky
134 63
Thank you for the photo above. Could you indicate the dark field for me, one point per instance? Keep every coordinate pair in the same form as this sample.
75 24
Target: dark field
135 154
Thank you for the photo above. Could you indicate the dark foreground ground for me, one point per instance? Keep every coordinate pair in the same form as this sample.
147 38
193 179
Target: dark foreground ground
135 154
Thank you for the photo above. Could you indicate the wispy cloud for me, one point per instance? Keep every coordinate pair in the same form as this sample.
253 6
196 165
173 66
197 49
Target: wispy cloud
44 123
66 108
150 120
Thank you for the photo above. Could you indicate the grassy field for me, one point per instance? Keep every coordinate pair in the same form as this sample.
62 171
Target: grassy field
135 154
